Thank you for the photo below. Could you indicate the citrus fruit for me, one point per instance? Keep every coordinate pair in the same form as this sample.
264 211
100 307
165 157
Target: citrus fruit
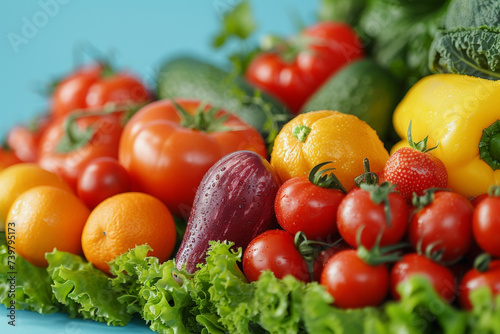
43 218
325 135
16 179
124 221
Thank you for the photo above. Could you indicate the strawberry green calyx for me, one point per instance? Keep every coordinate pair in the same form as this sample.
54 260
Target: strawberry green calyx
380 194
324 180
300 132
421 145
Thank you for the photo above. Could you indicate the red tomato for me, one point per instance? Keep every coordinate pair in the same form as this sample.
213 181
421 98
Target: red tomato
274 250
331 46
303 206
358 210
477 199
474 279
105 133
445 223
25 142
352 283
441 278
486 225
325 255
102 178
167 160
94 86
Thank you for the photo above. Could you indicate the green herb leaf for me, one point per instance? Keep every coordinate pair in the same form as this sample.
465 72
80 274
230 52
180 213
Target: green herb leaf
238 23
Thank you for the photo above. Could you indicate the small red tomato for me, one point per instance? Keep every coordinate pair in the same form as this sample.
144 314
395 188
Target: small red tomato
358 210
274 250
7 158
413 169
477 199
445 223
486 225
325 255
352 283
25 141
474 279
102 178
441 278
309 204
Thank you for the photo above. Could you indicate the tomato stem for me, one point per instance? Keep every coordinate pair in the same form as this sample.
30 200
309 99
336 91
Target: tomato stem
419 202
378 255
482 262
380 194
368 177
324 180
494 191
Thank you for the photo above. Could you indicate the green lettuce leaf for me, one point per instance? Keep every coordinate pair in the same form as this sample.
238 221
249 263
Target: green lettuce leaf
32 285
485 314
85 290
470 51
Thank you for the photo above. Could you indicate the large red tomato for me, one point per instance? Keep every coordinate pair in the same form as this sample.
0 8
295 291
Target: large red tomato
167 155
295 72
94 86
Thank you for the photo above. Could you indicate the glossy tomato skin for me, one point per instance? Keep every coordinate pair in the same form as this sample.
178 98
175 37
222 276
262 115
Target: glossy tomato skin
102 178
168 161
352 283
441 278
274 250
89 86
446 223
322 259
332 46
486 225
103 143
303 206
474 279
357 211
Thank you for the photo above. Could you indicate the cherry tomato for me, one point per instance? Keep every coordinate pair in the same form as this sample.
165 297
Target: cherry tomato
102 178
94 86
474 279
168 159
486 225
325 255
303 206
352 283
441 278
331 45
90 137
477 199
445 224
358 211
274 250
25 141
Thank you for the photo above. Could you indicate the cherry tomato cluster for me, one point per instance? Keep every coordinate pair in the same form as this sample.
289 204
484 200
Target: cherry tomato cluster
361 244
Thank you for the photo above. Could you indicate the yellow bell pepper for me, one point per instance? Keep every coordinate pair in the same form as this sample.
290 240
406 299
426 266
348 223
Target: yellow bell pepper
462 113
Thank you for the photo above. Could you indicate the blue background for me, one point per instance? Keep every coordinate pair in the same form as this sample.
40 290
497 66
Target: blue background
38 38
141 34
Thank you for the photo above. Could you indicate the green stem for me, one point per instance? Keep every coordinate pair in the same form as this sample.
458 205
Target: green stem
489 145
300 132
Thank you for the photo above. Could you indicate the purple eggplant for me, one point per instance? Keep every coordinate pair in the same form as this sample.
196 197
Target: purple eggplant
234 202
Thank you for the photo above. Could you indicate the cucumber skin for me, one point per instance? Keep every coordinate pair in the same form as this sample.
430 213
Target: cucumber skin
234 202
188 77
364 89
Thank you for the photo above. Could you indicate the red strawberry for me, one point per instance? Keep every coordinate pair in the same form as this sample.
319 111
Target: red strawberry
413 169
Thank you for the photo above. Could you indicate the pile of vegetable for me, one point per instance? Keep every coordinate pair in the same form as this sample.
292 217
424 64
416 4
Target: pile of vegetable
326 183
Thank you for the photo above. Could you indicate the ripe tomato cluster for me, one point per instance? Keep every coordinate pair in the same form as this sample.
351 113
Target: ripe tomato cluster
381 239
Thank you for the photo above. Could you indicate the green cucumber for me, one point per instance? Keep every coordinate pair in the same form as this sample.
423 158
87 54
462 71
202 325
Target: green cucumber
363 89
192 78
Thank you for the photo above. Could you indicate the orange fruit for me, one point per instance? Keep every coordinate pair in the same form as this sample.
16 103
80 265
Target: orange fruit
124 221
43 218
16 179
320 136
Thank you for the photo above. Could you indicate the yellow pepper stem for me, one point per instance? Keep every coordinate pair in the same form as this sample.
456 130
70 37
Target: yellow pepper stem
489 145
